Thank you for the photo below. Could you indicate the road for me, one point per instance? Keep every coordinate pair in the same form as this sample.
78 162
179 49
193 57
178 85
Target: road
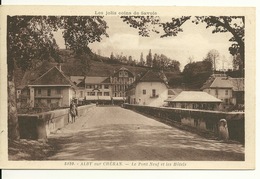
114 133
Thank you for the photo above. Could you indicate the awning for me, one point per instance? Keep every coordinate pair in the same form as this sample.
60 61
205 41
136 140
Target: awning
119 98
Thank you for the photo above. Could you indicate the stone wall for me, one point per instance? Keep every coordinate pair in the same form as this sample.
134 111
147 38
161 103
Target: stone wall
39 126
201 120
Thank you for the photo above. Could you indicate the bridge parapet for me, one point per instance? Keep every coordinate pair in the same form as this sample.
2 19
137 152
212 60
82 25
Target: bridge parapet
201 120
41 125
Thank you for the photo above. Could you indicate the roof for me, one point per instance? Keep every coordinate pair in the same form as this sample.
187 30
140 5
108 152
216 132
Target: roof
152 76
76 79
221 82
194 96
149 76
52 77
95 79
217 82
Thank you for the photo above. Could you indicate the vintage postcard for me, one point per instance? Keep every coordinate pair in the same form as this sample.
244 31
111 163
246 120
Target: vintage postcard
127 87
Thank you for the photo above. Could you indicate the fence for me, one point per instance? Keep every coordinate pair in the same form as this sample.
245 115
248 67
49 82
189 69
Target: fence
200 120
39 126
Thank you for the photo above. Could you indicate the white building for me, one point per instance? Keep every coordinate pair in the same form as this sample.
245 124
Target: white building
151 89
52 89
195 100
229 90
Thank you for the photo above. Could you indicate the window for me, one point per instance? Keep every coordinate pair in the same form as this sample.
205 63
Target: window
106 93
49 92
106 86
115 94
144 91
99 93
226 92
81 94
126 74
153 93
58 91
39 91
115 79
216 92
92 93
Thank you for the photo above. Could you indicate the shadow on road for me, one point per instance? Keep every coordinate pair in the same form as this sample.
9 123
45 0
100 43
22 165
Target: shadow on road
140 142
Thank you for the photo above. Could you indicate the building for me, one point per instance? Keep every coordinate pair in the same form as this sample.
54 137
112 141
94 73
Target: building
120 81
229 90
94 89
238 90
52 89
151 89
195 100
104 90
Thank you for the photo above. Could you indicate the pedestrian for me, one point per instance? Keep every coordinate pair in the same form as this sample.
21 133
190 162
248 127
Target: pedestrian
73 111
223 130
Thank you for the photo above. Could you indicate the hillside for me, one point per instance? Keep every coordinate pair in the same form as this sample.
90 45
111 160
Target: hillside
73 68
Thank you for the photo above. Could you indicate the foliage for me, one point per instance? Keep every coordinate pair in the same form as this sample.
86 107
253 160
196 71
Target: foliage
80 31
212 57
196 73
220 24
30 39
149 59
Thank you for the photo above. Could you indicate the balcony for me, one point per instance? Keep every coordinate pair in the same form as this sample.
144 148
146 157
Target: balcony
154 96
57 96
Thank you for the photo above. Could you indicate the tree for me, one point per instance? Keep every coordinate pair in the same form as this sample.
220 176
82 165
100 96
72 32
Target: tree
30 39
237 62
142 60
213 58
156 61
220 24
149 59
196 73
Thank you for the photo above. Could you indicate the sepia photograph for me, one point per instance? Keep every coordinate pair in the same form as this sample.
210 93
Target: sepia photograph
127 88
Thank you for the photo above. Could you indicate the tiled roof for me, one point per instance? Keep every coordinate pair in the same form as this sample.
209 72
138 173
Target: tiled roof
151 76
194 96
53 77
221 82
237 84
95 79
76 79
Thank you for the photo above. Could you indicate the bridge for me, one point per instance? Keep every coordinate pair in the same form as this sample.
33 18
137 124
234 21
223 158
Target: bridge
114 133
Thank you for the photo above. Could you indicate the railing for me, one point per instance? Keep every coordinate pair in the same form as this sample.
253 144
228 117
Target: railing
201 120
154 96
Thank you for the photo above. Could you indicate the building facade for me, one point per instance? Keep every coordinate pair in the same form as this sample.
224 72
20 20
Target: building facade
104 90
52 89
151 89
229 90
195 100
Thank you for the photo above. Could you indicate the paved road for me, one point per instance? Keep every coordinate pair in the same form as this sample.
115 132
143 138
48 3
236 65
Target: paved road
113 133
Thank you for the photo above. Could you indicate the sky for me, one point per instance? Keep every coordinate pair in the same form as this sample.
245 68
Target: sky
195 41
